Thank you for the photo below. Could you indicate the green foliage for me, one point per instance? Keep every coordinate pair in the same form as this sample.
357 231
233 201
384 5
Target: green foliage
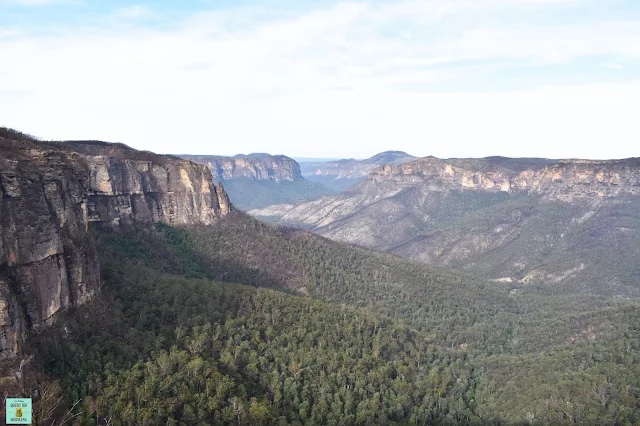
241 249
381 340
204 352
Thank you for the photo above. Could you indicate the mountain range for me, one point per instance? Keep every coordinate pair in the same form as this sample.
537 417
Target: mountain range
342 174
133 292
515 221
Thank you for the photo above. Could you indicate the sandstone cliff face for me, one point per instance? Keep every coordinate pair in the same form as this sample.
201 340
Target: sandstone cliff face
50 194
563 180
256 167
517 221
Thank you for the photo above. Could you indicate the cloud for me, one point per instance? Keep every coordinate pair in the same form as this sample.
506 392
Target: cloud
132 12
8 32
612 66
350 79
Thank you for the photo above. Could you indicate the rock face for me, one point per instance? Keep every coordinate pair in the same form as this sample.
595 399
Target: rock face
50 194
259 180
253 166
342 174
563 180
517 221
128 186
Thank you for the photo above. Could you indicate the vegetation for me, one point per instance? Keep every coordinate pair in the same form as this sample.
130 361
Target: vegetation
214 325
15 135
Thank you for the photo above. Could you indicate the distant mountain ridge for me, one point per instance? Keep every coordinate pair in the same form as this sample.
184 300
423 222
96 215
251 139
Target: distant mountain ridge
519 221
344 173
132 293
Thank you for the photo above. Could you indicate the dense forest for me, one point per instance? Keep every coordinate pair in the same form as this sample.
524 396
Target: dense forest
247 323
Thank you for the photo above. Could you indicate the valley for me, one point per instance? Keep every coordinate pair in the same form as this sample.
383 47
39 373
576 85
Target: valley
134 292
562 224
345 173
344 213
259 180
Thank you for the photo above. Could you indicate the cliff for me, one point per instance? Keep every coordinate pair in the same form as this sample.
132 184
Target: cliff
562 179
519 221
259 180
51 192
253 166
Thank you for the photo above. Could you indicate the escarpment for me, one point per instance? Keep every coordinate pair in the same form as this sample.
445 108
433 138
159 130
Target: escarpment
254 166
511 220
51 192
259 180
561 180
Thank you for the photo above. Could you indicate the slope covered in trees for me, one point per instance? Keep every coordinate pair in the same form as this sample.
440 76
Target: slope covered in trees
570 224
176 340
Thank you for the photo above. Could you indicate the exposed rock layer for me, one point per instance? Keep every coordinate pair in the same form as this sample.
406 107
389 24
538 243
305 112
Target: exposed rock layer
563 179
515 221
50 194
255 166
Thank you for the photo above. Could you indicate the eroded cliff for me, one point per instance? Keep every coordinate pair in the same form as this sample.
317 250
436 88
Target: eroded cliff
51 192
516 221
562 180
259 180
254 166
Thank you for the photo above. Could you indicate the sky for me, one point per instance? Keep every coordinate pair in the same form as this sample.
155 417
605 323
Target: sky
449 78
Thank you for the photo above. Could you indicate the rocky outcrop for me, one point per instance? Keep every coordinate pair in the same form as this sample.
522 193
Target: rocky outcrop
126 186
253 166
518 221
51 192
563 180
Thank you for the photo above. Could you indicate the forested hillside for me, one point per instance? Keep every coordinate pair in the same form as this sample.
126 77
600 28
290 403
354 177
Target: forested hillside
568 224
245 323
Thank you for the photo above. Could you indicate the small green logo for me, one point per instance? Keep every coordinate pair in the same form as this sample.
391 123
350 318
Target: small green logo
18 411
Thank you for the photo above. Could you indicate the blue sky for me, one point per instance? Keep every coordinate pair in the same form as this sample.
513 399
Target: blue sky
451 78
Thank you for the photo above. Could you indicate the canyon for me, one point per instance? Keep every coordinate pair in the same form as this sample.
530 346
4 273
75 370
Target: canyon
259 179
515 221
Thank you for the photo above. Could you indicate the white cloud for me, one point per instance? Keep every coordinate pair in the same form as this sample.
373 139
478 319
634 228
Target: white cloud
612 66
8 32
348 80
132 12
